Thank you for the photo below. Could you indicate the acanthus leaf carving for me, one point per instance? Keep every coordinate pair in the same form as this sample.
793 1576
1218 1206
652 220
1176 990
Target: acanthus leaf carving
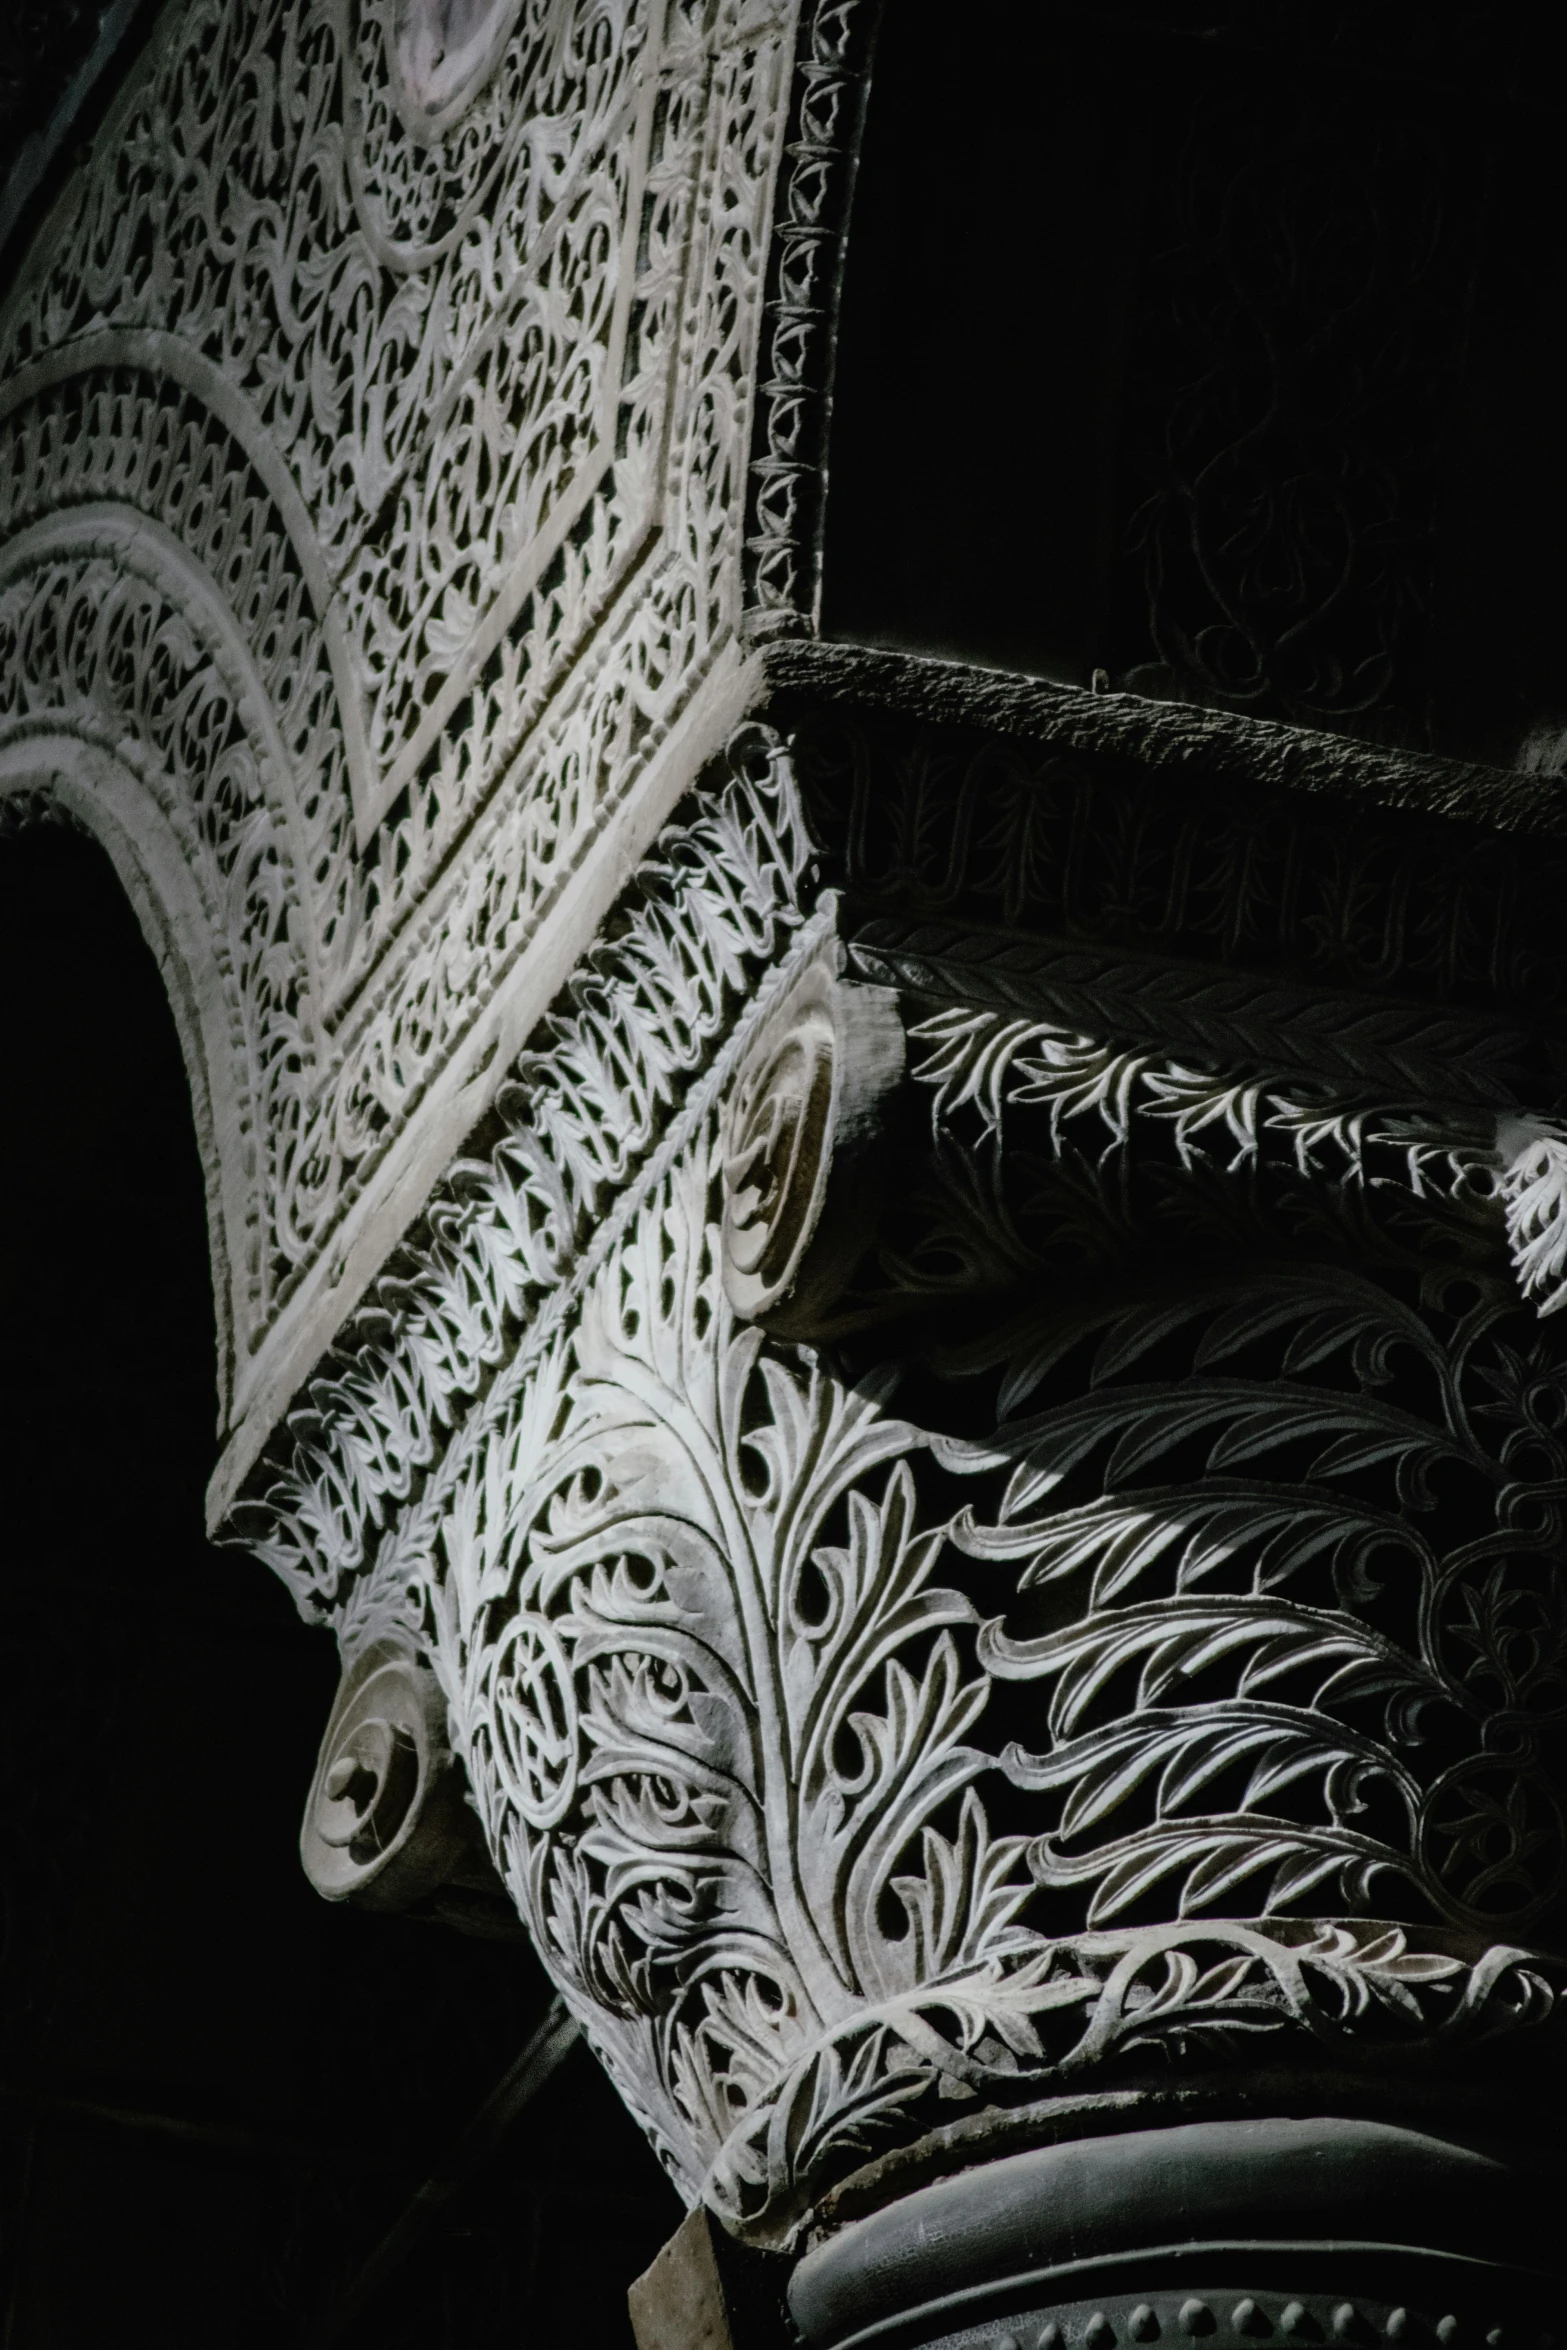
778 1894
849 1720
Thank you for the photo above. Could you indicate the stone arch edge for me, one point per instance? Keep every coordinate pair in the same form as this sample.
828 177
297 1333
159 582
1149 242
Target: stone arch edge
102 796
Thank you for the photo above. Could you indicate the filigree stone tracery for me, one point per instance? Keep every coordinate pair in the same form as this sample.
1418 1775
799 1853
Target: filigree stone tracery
765 1868
425 392
912 1644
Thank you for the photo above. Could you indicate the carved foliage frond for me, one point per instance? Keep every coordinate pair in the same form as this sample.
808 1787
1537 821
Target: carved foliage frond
701 1591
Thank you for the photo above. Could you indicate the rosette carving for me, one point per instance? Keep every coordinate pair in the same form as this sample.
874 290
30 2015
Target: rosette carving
805 1140
535 1719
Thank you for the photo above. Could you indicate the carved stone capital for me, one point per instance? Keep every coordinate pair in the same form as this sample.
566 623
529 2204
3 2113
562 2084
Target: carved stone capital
989 1531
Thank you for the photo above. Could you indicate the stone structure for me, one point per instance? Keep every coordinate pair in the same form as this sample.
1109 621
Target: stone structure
905 1308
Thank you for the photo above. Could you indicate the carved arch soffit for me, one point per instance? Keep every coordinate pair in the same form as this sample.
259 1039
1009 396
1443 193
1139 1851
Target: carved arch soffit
406 351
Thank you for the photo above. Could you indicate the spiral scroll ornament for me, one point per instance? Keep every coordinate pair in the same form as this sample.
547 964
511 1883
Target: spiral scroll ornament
384 1820
804 1147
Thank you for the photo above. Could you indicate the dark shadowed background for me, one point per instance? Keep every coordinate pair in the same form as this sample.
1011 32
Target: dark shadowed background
217 2093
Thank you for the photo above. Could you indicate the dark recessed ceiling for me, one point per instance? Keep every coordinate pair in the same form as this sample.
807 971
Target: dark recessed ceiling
42 42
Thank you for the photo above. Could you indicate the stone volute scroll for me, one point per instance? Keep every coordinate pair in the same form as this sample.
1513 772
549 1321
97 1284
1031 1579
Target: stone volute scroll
806 1138
386 1821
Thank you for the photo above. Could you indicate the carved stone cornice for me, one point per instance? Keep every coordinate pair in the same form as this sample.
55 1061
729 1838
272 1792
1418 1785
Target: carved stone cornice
1181 739
1229 885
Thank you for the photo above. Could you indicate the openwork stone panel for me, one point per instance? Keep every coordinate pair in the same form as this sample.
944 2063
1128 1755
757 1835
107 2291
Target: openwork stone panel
419 379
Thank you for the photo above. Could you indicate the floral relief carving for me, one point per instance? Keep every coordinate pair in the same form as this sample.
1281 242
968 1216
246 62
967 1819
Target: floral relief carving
1247 1575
